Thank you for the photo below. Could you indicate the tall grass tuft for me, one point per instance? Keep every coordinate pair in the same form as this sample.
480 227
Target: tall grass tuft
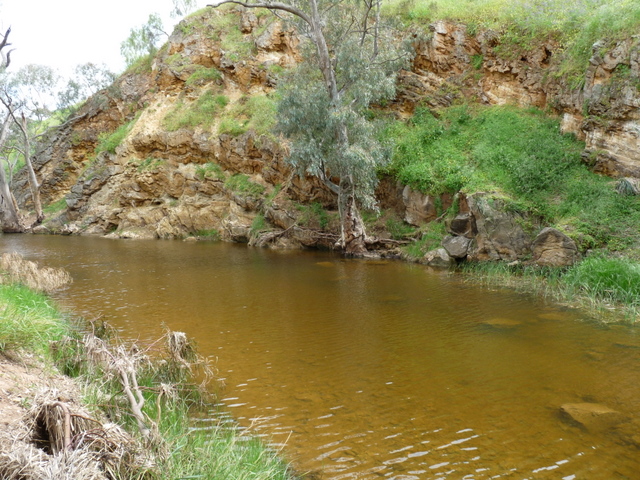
609 280
28 320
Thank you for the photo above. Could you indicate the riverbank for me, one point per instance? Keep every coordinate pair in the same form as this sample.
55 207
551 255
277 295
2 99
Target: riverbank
87 405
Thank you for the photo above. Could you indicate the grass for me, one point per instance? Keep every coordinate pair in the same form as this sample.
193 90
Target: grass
55 207
521 155
313 216
209 170
523 24
108 142
212 234
203 75
606 286
28 320
240 183
200 113
256 113
431 238
150 164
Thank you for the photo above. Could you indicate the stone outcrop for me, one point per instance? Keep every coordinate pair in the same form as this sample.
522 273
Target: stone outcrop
552 248
501 232
438 258
593 417
605 111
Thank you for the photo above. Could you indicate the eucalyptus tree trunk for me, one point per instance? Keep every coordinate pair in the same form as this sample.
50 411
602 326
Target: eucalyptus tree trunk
353 235
33 180
8 211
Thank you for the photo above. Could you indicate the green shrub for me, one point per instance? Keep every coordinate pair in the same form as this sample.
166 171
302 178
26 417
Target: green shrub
108 142
240 183
203 75
258 225
431 238
150 164
522 155
200 113
212 234
209 170
55 207
256 113
399 229
313 216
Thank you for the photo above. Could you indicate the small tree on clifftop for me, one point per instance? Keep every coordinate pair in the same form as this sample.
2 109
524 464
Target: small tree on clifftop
349 64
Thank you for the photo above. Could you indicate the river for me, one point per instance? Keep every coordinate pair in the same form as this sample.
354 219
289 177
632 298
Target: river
370 369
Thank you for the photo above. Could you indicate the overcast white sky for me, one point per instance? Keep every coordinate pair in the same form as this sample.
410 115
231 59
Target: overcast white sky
66 33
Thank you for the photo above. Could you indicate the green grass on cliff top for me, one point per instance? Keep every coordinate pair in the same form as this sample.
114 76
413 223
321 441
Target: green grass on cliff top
576 24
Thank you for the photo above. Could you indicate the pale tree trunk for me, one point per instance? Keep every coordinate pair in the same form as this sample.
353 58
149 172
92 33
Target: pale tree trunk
33 180
9 212
353 234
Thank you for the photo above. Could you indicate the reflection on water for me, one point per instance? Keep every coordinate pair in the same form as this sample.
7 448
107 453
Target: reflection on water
371 369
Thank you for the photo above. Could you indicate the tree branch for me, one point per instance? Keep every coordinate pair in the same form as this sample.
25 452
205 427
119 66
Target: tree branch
268 5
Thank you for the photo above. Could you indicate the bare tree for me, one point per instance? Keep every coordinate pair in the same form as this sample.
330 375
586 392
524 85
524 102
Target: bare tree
5 55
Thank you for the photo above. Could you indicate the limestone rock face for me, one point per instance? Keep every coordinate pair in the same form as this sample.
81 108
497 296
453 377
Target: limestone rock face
594 417
605 111
552 248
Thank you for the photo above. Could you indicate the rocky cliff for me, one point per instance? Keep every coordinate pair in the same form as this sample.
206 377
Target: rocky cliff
169 177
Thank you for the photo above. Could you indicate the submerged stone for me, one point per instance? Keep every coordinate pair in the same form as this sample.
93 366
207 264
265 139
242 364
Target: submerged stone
500 322
593 417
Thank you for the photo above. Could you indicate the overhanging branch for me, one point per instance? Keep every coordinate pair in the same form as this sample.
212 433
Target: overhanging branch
268 5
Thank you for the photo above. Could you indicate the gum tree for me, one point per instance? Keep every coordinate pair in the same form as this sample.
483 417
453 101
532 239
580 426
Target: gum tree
9 211
350 62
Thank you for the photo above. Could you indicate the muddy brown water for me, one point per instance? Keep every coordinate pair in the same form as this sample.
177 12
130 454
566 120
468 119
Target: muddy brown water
370 369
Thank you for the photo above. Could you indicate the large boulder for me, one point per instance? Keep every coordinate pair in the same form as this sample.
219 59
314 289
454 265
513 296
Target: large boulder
593 417
552 248
501 233
438 258
463 224
456 247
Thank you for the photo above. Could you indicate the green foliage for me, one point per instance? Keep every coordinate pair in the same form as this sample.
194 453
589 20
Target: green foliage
201 113
313 216
108 142
607 280
240 183
256 112
142 41
28 320
258 225
476 61
150 164
212 234
55 207
522 155
523 24
432 235
209 170
330 132
398 228
203 75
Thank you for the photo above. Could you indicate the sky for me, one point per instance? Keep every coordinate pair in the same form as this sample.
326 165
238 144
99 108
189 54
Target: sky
66 33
